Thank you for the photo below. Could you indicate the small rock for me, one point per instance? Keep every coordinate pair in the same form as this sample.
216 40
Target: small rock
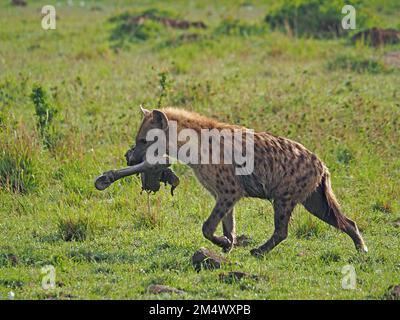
236 275
159 288
204 258
243 241
393 293
397 223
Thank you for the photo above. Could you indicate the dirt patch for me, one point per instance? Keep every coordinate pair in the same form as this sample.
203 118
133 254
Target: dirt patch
206 259
19 3
378 37
159 288
392 59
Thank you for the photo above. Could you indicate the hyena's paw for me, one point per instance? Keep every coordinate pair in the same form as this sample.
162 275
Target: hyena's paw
232 244
257 253
362 248
224 243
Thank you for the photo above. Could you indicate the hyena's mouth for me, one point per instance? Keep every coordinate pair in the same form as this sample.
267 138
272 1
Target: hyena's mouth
130 159
151 175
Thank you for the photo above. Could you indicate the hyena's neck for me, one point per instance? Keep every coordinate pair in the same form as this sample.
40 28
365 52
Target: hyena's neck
192 124
191 120
201 140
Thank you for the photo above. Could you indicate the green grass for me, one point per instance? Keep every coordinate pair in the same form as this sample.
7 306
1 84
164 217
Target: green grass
347 113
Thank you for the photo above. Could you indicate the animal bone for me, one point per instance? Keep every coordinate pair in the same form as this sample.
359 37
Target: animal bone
151 176
107 178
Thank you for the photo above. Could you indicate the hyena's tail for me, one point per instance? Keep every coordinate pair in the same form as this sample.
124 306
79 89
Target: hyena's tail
333 205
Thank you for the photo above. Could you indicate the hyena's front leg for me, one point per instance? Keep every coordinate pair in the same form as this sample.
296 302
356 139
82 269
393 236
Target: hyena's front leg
282 212
229 227
221 209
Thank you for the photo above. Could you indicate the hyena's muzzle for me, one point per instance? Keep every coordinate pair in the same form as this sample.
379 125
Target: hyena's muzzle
134 156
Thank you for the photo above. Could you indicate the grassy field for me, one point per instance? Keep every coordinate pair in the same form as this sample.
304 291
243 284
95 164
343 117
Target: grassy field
339 100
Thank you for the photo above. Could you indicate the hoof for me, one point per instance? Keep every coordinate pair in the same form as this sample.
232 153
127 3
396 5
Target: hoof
256 253
104 181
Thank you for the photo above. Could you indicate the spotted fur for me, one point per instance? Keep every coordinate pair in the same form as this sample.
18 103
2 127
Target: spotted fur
285 172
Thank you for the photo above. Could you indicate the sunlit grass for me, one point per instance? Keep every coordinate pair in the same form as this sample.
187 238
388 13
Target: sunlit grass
109 244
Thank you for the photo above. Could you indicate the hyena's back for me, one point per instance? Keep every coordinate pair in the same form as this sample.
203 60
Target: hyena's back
283 169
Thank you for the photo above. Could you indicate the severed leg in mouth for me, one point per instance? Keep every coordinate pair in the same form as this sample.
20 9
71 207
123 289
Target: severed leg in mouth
107 178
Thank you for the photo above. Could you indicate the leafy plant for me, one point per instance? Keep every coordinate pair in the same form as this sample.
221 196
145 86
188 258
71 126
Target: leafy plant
17 159
307 229
74 228
138 27
45 114
357 64
16 172
344 156
163 88
235 27
316 18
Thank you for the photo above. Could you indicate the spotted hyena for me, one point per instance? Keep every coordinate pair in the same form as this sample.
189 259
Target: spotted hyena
284 172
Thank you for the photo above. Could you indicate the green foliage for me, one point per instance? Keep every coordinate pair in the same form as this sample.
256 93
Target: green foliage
344 156
316 18
330 256
16 172
6 98
383 207
357 64
17 165
147 30
163 88
138 27
235 27
185 38
74 228
45 114
308 229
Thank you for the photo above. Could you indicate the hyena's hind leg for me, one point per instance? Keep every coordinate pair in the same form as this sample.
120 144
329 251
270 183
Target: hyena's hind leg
282 212
328 211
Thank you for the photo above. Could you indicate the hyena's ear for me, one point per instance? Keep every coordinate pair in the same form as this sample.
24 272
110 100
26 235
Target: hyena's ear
144 111
160 119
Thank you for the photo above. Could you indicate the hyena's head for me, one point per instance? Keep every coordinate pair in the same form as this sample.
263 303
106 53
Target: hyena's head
154 119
